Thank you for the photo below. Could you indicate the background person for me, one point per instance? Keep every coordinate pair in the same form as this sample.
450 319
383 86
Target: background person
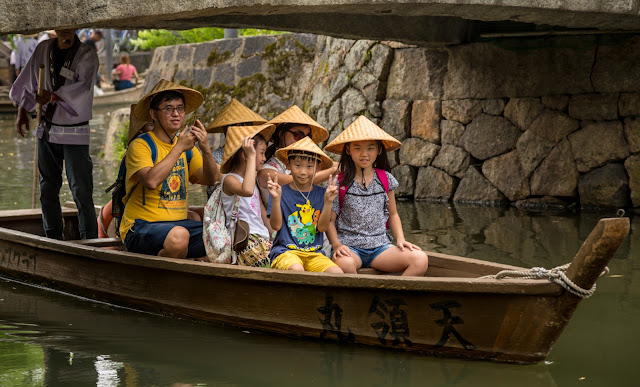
63 132
125 71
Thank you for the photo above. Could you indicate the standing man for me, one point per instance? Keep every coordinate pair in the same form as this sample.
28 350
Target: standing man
94 38
63 132
160 166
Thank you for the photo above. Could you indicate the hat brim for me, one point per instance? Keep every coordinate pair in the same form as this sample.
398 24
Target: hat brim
192 99
304 147
363 129
233 142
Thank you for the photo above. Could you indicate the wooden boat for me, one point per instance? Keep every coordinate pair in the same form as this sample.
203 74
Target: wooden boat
119 97
451 312
108 98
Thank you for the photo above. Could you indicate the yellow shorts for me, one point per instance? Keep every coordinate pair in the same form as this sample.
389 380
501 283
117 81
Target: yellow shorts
309 261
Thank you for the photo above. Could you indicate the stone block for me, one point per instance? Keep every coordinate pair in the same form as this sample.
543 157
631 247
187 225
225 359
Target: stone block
335 113
453 160
202 77
395 118
632 133
380 61
557 175
553 125
320 95
489 136
632 165
417 152
353 103
375 109
339 85
393 158
495 107
607 186
374 91
461 110
616 67
629 104
523 111
322 117
486 70
532 149
256 44
506 174
406 177
249 67
434 184
417 73
475 188
362 79
450 132
595 107
225 74
425 120
556 102
598 144
355 58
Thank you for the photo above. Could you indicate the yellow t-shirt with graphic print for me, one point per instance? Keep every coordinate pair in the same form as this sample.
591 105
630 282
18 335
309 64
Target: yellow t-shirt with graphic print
169 201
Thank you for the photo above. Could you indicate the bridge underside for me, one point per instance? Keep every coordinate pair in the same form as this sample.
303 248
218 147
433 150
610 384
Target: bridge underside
423 22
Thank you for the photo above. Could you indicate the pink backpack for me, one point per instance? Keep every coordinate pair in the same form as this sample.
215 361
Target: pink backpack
342 191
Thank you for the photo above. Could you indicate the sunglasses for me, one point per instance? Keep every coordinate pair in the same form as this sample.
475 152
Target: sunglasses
299 135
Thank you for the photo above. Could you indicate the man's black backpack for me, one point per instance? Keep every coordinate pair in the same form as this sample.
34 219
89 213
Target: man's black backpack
119 187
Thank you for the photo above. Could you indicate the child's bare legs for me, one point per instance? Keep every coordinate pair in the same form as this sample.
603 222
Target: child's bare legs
334 270
393 260
296 267
349 264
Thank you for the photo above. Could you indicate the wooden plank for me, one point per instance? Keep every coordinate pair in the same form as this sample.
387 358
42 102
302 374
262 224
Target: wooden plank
99 242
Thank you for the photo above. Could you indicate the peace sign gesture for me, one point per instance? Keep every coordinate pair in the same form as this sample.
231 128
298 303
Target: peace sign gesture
332 189
275 190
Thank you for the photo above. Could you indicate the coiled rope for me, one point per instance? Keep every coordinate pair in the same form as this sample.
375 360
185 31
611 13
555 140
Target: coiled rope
556 275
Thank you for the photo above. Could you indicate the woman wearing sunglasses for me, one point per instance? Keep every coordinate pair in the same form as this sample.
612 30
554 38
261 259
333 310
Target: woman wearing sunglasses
291 126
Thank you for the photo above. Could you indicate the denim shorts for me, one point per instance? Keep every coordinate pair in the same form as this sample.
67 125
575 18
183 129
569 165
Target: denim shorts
368 255
148 237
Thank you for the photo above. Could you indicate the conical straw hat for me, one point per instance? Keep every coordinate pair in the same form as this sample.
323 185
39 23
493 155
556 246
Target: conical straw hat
295 115
305 145
234 113
192 99
135 124
363 129
233 141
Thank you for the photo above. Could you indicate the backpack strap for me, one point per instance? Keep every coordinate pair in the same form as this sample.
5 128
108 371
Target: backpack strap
342 192
154 156
382 176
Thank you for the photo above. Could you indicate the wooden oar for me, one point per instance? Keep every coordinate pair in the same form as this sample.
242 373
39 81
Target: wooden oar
34 190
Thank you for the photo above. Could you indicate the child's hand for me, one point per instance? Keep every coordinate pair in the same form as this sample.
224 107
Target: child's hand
247 147
404 244
341 251
332 189
275 190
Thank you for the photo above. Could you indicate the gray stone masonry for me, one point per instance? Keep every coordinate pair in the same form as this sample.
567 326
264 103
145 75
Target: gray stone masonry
479 123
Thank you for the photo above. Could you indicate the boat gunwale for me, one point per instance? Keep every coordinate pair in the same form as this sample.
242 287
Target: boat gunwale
520 287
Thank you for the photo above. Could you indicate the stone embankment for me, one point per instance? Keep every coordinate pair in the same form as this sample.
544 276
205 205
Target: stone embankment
544 122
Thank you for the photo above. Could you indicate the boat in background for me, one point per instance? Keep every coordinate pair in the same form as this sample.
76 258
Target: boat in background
452 311
111 97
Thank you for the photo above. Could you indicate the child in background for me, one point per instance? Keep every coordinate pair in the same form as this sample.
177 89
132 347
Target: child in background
301 211
291 125
243 157
366 205
232 114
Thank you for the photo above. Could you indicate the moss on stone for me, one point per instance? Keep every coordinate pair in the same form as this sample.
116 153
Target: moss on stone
215 58
248 84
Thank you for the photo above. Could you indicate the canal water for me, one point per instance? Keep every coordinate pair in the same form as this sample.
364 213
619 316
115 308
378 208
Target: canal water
49 338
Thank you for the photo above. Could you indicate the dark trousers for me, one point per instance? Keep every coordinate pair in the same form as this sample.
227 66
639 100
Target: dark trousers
79 168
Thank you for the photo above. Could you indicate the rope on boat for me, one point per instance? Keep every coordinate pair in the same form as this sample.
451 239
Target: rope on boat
556 275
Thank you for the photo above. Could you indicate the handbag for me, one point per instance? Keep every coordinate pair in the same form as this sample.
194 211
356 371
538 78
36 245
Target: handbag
216 236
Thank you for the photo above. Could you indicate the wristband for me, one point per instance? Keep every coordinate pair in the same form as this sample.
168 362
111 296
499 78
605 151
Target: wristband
53 98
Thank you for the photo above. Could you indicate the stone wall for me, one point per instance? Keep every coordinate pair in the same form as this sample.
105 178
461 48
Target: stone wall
549 122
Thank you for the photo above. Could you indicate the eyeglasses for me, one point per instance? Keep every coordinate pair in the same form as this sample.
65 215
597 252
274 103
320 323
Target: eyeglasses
168 110
299 135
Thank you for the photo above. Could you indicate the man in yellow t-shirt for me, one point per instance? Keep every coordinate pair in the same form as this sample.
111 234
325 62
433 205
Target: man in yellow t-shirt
159 169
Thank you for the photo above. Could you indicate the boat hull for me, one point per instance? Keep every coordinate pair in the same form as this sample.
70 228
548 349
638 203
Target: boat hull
450 313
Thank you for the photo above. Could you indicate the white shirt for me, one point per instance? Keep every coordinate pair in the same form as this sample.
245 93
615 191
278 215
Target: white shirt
249 210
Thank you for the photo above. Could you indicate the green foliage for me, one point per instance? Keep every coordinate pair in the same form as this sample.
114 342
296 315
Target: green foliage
120 143
150 39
